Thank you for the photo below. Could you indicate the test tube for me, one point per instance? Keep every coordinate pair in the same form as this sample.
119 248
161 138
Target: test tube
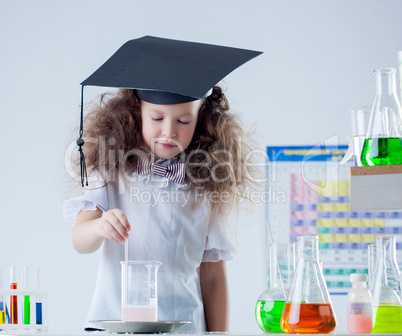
38 304
27 299
13 298
2 302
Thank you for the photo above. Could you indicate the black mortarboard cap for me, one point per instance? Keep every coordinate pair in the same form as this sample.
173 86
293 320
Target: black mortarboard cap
165 71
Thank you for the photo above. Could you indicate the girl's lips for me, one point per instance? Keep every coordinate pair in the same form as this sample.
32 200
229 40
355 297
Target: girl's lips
167 144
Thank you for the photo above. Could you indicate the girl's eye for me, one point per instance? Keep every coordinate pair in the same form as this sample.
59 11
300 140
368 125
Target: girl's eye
157 119
184 122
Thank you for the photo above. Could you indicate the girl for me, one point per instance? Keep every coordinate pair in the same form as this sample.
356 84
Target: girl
164 175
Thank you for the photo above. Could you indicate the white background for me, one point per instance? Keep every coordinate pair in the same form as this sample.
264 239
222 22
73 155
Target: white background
317 63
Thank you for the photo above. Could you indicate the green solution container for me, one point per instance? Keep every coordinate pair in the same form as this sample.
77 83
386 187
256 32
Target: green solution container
387 306
383 143
270 305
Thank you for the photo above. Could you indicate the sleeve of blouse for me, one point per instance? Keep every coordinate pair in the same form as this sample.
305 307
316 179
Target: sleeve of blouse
95 196
220 242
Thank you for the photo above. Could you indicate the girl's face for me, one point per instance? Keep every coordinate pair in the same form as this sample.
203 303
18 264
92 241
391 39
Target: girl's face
169 129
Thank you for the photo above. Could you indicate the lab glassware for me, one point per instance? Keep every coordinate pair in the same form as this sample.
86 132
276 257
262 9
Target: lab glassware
383 143
359 306
27 299
13 298
285 254
360 117
139 291
372 257
270 304
2 298
387 307
308 307
392 274
38 303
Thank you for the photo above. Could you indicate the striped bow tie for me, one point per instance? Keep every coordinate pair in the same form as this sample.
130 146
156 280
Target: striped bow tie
175 172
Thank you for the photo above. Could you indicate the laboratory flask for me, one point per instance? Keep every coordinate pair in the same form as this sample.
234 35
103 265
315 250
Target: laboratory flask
383 143
269 307
308 307
391 263
387 307
139 291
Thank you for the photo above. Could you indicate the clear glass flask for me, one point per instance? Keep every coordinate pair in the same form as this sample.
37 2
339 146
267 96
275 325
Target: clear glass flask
387 307
383 143
391 264
308 308
269 307
359 306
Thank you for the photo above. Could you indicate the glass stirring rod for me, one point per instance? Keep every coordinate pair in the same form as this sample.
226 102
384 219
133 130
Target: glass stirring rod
126 250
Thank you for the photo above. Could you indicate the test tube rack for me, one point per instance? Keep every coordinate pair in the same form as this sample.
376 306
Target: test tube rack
37 309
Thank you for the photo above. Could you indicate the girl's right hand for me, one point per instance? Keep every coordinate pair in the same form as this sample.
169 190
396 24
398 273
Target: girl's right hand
113 225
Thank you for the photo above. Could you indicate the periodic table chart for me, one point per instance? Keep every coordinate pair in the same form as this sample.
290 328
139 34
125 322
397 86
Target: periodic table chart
308 194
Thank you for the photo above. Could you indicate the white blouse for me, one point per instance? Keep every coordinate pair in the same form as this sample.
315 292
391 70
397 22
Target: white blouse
170 223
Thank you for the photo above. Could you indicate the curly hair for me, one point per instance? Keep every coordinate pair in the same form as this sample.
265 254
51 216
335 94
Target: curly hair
216 158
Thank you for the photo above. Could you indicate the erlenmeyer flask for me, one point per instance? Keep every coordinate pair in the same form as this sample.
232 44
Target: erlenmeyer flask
393 275
383 143
387 307
270 304
308 308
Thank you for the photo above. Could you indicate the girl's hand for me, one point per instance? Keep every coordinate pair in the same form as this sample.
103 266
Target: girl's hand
113 225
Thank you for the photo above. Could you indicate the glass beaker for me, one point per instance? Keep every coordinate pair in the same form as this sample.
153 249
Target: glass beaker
308 308
139 291
269 307
383 143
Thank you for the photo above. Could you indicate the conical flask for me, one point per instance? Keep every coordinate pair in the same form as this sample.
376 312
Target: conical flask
308 308
383 143
387 307
270 304
394 279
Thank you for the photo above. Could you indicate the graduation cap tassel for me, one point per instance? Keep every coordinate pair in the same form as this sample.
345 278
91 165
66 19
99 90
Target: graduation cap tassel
80 142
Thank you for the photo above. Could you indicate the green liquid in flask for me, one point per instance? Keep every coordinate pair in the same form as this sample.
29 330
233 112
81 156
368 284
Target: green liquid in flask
382 151
387 319
268 315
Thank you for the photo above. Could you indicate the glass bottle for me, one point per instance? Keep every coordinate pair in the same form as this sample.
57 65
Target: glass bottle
359 319
270 304
308 308
383 143
387 307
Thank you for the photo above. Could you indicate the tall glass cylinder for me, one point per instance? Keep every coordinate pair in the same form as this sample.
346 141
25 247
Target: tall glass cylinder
372 257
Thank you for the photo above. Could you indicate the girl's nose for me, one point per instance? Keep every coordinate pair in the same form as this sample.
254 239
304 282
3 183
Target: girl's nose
169 129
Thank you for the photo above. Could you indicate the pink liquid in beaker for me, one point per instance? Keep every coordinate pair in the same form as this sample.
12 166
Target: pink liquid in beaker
140 314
